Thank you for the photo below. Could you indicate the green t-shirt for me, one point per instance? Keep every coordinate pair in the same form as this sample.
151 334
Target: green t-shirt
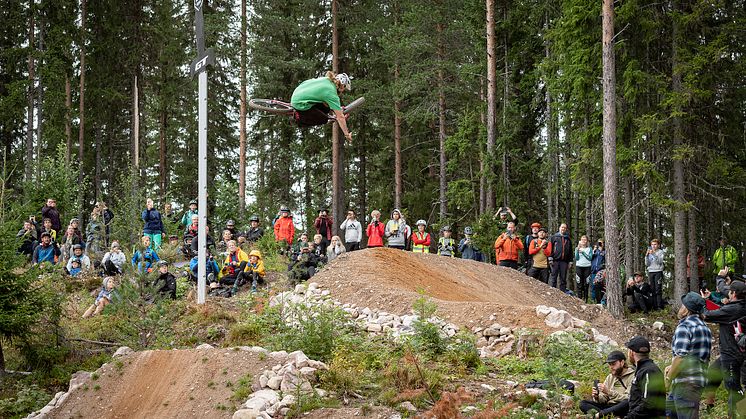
313 91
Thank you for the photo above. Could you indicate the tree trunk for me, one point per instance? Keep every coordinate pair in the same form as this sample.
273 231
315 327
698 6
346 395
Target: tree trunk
68 116
693 256
679 223
2 360
506 87
613 287
482 156
488 170
135 124
397 148
242 120
162 166
629 239
442 123
30 96
362 185
40 101
337 177
81 111
97 180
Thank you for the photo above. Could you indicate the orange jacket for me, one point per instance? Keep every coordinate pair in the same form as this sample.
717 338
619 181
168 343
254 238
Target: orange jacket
284 229
375 234
508 249
540 258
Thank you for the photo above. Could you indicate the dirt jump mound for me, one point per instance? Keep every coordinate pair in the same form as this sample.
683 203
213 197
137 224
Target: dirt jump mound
467 293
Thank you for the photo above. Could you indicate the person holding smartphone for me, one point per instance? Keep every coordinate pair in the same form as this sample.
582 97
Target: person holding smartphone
612 396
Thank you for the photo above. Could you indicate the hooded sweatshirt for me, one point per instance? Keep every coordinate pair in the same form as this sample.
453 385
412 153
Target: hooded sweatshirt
396 230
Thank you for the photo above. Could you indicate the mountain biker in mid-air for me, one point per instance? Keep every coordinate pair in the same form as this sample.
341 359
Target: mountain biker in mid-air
315 98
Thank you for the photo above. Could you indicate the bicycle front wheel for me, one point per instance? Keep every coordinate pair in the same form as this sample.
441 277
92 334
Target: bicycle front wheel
272 106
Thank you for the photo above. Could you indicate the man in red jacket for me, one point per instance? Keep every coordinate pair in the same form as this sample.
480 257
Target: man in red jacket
508 247
375 230
284 228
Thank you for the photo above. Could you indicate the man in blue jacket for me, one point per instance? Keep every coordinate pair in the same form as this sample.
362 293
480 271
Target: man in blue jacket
46 251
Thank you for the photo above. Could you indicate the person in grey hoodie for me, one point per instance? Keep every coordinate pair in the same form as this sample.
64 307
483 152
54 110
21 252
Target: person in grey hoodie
353 231
396 231
654 264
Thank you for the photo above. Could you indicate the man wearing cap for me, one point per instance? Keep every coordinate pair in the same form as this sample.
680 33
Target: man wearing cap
254 233
46 251
731 358
562 257
612 396
503 213
639 294
691 345
527 259
84 260
647 393
540 249
186 219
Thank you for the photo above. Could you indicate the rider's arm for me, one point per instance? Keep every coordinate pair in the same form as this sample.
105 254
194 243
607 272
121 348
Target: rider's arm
343 124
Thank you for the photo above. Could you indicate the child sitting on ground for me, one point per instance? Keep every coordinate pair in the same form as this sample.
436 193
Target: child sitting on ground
74 267
255 270
103 299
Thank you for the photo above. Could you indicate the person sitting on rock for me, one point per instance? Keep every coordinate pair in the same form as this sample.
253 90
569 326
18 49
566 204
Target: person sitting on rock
166 281
318 248
612 396
375 230
304 267
74 269
67 242
446 244
639 294
234 268
173 241
222 246
29 236
193 228
47 226
467 248
104 298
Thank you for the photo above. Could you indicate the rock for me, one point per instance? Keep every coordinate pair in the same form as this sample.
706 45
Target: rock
559 319
543 311
122 351
312 286
300 289
284 411
246 414
263 381
321 392
544 394
256 404
270 396
477 330
493 330
298 358
287 400
482 342
658 325
204 346
317 364
577 323
469 409
280 355
367 311
488 387
308 372
374 327
505 331
78 379
408 406
274 382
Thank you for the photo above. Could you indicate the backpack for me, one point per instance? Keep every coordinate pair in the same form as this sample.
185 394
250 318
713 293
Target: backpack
546 385
740 334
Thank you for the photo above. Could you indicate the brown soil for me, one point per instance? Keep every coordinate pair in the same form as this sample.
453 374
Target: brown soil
165 384
467 292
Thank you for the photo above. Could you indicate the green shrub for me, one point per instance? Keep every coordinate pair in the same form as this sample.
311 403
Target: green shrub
27 400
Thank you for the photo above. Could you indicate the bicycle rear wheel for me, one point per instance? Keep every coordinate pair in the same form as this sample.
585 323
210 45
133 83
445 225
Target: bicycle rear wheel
276 107
353 105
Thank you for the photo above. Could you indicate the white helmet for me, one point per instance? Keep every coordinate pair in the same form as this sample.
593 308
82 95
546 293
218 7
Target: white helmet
422 222
345 80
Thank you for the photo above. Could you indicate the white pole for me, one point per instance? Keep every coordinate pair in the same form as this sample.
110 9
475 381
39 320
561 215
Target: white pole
202 189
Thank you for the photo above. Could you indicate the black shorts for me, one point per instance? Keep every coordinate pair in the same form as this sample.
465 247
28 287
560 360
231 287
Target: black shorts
317 115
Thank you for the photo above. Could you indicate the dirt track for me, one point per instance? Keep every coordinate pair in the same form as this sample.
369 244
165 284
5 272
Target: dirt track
467 292
160 384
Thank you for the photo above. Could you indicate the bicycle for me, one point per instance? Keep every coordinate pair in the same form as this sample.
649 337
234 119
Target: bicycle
279 107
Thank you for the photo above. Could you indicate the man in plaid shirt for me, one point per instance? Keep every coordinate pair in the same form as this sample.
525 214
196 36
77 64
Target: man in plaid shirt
691 345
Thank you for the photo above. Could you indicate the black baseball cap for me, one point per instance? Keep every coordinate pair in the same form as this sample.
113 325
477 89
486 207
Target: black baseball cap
738 286
615 356
693 302
639 344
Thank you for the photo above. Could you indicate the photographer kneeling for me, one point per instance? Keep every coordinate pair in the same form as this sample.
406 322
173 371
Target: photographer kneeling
612 396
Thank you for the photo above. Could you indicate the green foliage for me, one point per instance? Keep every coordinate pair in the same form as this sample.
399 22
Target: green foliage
27 399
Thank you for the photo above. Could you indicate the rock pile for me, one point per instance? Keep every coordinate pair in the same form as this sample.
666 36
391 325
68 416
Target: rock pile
494 341
78 379
294 376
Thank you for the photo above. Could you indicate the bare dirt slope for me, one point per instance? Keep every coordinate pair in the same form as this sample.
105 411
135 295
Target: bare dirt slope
165 384
467 292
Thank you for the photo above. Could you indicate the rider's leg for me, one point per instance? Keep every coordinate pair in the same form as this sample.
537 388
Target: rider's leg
317 115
